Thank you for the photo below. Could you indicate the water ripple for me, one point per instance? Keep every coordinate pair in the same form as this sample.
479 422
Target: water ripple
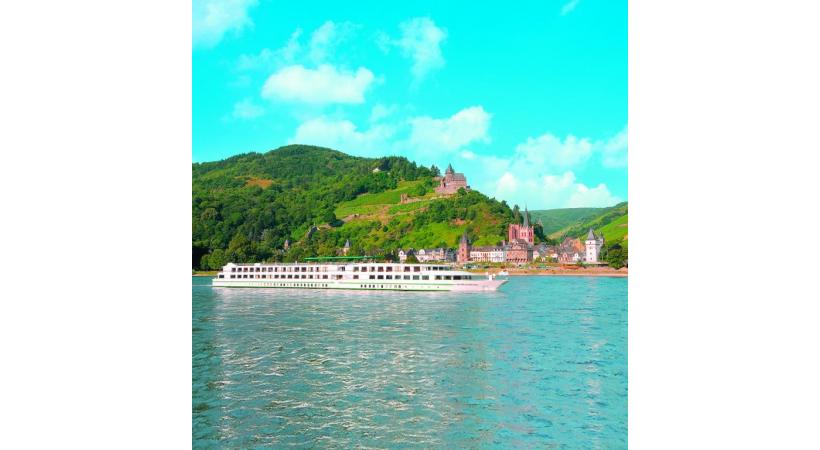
541 363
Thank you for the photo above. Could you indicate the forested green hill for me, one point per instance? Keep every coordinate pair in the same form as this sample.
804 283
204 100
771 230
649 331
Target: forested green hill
612 222
246 206
557 219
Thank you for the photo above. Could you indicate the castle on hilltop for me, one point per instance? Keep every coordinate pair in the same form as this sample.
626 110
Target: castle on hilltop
451 182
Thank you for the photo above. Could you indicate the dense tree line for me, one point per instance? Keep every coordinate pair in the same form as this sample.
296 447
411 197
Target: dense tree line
616 255
246 206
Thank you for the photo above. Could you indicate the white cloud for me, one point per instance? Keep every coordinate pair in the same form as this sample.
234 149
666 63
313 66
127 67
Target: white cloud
551 191
425 140
467 154
614 150
325 38
321 44
506 186
569 7
598 196
538 171
267 59
342 135
447 135
381 111
246 109
548 149
319 86
212 19
421 41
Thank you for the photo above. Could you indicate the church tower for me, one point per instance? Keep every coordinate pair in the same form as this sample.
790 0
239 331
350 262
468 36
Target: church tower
463 250
525 232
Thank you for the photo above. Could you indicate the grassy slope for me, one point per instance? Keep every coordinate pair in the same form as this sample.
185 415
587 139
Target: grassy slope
369 203
616 230
448 234
612 222
385 207
557 219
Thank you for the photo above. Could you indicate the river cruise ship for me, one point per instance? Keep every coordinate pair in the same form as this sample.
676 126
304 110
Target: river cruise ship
359 276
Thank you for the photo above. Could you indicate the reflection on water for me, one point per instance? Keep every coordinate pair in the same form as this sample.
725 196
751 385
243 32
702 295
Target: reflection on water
541 362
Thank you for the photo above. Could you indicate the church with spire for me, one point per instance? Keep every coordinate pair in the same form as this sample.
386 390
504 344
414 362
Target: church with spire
451 182
521 238
523 232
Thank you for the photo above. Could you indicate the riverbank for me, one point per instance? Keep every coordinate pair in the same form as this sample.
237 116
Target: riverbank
204 273
561 271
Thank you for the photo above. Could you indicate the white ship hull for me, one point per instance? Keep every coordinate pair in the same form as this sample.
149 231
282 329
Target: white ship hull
362 276
466 286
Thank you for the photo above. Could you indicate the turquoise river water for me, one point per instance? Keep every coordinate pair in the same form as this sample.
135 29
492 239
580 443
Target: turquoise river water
542 363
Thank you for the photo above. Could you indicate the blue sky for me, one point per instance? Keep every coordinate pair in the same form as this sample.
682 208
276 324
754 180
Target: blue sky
528 99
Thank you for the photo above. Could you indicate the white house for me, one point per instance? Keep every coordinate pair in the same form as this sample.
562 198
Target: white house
488 254
403 254
594 244
434 254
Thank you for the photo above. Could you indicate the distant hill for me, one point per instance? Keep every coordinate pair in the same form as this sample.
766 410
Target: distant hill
557 219
245 207
612 222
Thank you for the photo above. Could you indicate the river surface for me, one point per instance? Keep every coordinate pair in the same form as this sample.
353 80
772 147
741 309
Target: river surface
542 363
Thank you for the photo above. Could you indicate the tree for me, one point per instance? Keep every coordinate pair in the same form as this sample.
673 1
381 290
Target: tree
328 216
209 214
435 171
239 247
538 230
216 259
616 256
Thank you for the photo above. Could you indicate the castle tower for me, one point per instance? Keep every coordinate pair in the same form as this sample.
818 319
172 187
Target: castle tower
451 182
593 247
346 247
463 249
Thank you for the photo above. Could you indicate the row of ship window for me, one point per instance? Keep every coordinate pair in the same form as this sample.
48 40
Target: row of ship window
287 277
340 268
355 277
324 285
277 269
